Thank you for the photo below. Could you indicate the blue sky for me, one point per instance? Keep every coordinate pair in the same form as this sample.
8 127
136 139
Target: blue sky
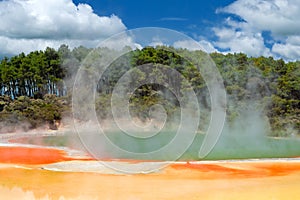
194 18
255 27
190 17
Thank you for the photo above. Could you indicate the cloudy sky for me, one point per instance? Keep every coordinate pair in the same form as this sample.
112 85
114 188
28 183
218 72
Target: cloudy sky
255 27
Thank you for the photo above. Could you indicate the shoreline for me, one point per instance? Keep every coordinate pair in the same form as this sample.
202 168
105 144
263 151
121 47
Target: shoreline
5 137
71 177
60 159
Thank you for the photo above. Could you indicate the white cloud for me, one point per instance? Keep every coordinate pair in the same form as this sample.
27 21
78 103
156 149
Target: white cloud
290 50
12 46
157 41
120 41
233 40
27 25
192 45
279 17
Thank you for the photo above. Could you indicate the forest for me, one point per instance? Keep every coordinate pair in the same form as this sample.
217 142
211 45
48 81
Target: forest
36 89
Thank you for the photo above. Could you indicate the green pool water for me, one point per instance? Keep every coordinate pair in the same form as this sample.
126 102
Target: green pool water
228 146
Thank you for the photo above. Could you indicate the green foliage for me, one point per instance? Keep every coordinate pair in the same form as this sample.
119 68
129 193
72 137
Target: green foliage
30 84
32 75
35 112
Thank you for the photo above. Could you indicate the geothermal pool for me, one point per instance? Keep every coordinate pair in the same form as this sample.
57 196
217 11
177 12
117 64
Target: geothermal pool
54 171
228 146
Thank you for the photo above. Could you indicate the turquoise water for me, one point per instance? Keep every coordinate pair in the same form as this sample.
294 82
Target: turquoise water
227 147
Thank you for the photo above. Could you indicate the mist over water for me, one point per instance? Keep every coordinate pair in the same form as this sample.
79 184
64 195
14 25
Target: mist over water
132 131
150 111
247 137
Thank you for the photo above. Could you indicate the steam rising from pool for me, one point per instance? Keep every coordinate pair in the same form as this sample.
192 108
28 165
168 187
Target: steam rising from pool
121 136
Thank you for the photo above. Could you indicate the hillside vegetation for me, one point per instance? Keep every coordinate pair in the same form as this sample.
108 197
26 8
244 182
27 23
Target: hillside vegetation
36 89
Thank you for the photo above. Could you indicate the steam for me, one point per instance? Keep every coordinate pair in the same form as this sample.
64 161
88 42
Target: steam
182 124
162 136
247 130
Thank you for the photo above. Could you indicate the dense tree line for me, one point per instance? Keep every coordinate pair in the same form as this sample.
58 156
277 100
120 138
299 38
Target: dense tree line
35 88
269 85
273 86
35 74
